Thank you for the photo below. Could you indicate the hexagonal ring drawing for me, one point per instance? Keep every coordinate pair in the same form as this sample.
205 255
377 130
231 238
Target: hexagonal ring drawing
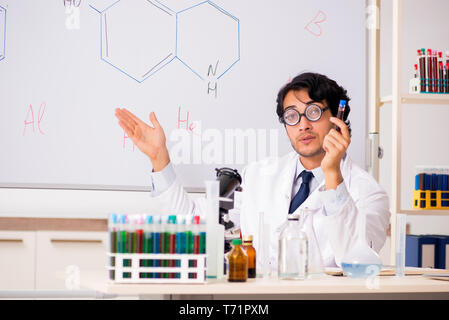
2 32
204 37
207 39
137 37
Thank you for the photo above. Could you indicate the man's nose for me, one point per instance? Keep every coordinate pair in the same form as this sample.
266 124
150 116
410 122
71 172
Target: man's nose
304 124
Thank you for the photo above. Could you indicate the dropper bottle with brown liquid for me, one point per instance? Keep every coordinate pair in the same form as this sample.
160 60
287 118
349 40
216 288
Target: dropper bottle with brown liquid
238 262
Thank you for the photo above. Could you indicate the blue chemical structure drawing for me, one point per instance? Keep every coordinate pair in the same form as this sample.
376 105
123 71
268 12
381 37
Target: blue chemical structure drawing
141 37
211 31
2 32
135 37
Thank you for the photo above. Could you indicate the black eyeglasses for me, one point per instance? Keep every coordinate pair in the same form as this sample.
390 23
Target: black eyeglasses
291 116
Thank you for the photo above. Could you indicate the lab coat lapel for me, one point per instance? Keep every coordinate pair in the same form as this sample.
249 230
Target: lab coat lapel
345 167
283 198
313 200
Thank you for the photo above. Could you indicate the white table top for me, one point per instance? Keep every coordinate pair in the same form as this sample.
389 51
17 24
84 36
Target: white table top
325 285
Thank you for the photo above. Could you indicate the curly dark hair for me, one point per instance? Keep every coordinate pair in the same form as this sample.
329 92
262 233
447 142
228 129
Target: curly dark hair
320 88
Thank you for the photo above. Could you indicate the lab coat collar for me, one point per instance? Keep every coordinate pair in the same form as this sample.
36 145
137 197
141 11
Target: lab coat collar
313 201
317 172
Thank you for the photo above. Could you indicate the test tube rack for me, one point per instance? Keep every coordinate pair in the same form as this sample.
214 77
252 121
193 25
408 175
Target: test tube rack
431 190
431 199
135 272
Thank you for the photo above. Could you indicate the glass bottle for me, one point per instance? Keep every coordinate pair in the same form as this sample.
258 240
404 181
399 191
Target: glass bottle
293 251
315 265
238 263
251 253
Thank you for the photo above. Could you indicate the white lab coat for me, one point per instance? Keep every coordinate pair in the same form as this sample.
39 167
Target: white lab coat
267 187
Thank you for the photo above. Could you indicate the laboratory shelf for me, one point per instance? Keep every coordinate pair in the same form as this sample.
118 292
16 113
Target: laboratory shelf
397 99
419 98
417 212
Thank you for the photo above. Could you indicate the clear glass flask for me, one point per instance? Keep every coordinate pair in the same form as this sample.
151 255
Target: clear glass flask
361 261
293 251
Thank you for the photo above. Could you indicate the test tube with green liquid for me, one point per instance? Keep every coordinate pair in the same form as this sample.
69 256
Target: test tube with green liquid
123 248
112 227
180 239
157 242
203 234
131 236
189 238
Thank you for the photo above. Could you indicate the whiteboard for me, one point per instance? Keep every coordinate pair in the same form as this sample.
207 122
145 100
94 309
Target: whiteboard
210 70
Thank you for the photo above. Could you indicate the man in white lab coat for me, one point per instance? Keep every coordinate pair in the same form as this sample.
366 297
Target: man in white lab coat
318 174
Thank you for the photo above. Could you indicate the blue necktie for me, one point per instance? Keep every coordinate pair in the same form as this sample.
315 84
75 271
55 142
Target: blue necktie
303 191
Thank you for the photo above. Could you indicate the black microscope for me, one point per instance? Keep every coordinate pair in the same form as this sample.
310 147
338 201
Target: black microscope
230 181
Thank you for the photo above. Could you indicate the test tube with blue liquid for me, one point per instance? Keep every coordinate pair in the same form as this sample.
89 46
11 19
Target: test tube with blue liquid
180 239
157 230
171 247
148 243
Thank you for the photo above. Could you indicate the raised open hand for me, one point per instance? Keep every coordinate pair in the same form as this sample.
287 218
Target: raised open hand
150 140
